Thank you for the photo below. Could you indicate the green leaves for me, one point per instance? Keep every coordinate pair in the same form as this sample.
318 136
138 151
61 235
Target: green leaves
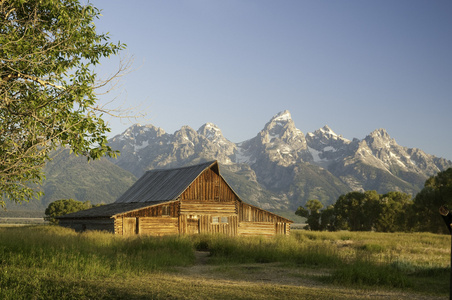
361 211
41 106
437 192
64 207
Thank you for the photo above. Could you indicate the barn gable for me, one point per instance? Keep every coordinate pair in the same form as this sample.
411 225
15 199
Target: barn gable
193 199
209 186
165 184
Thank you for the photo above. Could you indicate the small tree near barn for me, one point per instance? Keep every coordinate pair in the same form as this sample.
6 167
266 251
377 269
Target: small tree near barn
63 207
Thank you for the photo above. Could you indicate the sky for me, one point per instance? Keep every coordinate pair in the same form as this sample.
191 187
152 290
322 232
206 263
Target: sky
353 65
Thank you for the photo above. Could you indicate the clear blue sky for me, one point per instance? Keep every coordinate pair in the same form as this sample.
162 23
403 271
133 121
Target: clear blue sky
355 66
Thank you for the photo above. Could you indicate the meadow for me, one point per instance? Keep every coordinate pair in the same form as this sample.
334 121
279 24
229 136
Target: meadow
51 262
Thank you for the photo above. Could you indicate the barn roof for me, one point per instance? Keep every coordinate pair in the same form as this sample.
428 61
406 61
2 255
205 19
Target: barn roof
164 184
108 210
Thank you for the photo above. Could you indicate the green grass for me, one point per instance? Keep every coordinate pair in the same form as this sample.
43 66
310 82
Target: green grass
227 250
418 262
49 262
91 254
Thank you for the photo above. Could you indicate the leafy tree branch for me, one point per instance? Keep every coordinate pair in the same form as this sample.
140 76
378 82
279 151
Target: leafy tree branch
48 52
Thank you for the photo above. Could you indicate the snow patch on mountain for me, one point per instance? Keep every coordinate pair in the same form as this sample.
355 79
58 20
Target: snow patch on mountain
242 157
316 155
144 144
283 117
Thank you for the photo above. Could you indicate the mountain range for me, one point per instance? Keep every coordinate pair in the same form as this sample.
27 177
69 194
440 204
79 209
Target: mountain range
279 169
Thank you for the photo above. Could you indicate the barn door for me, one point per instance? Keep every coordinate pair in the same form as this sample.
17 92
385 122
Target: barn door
130 226
192 226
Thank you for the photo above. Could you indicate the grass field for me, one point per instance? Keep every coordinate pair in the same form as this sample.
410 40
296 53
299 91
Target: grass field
50 262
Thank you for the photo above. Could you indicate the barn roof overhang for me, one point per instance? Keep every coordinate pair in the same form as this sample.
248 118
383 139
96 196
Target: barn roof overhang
112 210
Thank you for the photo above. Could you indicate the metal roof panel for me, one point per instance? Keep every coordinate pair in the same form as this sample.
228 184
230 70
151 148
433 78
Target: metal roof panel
163 184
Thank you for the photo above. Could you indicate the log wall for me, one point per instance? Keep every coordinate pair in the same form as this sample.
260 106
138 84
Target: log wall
119 226
158 226
256 229
208 208
283 228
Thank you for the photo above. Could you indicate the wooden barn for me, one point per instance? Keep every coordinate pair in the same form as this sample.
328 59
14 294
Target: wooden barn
186 200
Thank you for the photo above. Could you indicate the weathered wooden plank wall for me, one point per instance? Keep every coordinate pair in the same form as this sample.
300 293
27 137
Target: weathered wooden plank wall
209 186
129 226
206 225
188 225
229 228
250 213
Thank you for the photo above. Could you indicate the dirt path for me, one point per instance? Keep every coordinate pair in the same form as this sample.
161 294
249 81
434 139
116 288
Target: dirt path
201 257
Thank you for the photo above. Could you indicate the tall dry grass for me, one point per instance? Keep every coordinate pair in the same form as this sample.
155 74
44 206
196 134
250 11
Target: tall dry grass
48 262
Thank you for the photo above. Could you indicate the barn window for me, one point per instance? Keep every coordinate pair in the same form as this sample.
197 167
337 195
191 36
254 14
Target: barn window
165 210
217 220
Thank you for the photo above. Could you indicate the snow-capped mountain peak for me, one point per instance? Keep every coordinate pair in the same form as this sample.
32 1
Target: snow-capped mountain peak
282 117
283 160
210 131
279 141
140 134
214 135
326 130
326 146
281 126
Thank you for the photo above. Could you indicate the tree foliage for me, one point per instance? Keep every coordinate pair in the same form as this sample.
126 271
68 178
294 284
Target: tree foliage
390 212
48 51
311 213
361 211
357 211
437 191
64 207
395 213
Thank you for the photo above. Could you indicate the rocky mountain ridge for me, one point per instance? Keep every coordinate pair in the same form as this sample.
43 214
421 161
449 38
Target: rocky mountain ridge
281 168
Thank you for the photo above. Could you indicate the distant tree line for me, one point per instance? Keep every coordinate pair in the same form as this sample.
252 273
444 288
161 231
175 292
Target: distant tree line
390 212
